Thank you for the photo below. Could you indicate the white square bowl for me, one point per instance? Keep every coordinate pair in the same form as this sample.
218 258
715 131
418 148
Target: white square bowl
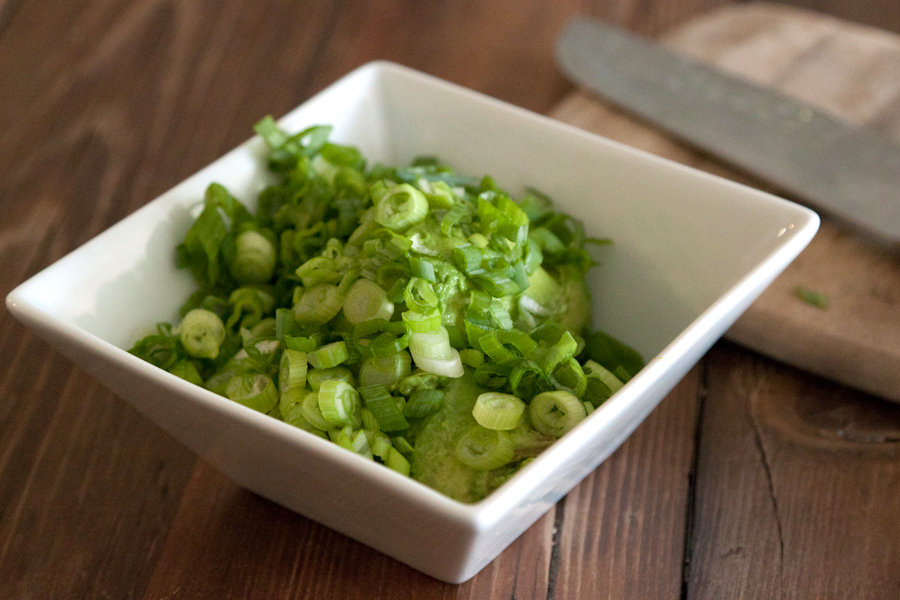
691 252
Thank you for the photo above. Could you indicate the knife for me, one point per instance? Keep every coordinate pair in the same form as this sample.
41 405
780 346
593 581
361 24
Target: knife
851 173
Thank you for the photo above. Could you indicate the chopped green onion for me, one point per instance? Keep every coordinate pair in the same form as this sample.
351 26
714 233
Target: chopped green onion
402 445
468 258
495 343
496 286
341 437
318 305
422 323
494 410
254 301
397 462
419 296
448 367
458 213
555 413
439 194
330 355
187 371
369 420
292 371
318 270
254 258
366 301
423 403
349 272
422 268
558 353
202 333
303 344
384 408
471 357
485 449
601 383
290 400
291 404
570 377
392 337
400 206
527 379
359 443
431 345
315 377
381 445
339 403
313 413
253 391
385 370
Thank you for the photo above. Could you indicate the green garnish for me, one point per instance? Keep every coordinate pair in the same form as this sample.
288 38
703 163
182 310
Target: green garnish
817 299
417 317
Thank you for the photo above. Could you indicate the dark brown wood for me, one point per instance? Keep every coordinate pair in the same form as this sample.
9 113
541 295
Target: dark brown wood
105 104
799 487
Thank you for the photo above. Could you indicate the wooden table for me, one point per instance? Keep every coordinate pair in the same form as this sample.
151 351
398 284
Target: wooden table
750 480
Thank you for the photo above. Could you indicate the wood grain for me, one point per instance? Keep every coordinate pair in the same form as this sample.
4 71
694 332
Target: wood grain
104 104
799 487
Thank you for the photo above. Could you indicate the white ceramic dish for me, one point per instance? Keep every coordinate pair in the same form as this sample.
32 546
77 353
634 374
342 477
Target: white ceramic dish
691 252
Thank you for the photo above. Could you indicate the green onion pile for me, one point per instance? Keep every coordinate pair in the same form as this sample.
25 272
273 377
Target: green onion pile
420 318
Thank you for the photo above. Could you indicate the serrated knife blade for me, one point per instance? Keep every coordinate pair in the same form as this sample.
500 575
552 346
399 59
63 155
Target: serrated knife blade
849 172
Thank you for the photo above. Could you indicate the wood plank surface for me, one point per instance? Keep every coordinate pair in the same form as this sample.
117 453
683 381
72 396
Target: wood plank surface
799 487
104 104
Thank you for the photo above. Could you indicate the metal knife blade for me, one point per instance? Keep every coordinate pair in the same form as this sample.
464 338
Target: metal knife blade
848 172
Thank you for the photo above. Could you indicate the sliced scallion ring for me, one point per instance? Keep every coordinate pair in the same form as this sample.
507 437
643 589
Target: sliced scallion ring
555 413
400 207
365 301
494 410
256 391
292 371
485 449
339 403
